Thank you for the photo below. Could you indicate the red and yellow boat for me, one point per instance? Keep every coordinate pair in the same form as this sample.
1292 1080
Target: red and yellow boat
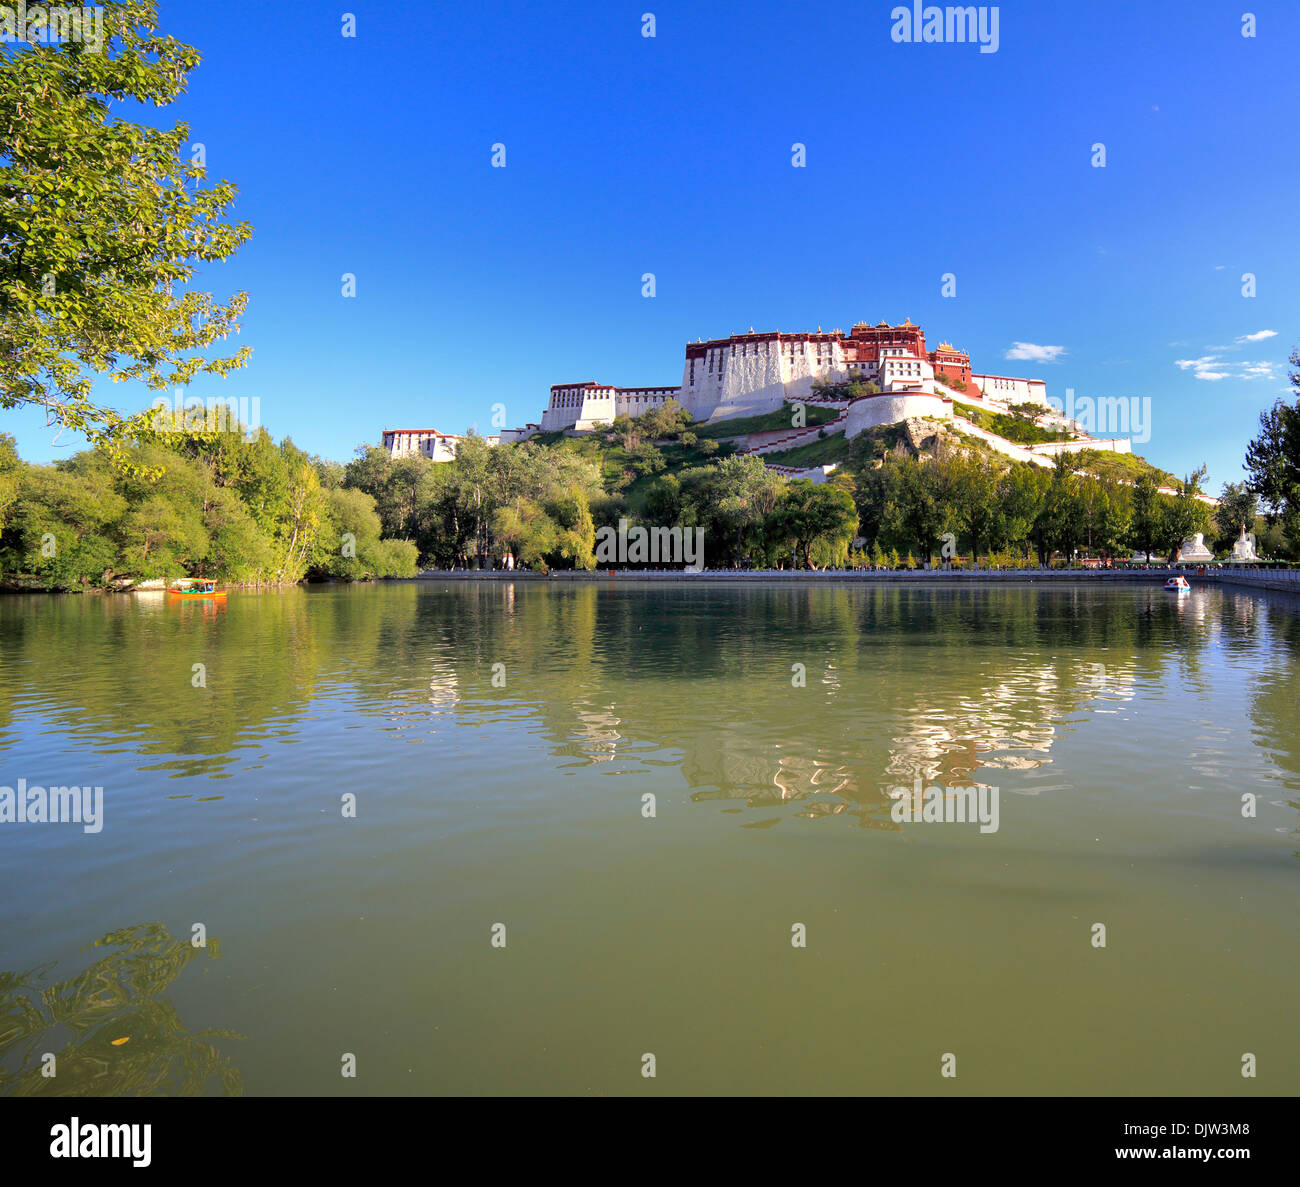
197 589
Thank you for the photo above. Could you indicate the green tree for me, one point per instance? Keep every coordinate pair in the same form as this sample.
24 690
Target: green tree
1148 515
816 516
103 225
64 526
10 471
977 509
666 420
731 500
1238 507
1021 491
1062 521
663 501
1273 463
238 550
1185 514
916 511
1107 517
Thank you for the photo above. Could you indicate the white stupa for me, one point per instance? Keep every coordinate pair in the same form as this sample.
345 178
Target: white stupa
1194 552
1243 551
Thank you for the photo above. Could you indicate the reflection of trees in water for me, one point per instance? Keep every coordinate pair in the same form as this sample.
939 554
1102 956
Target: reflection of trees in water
1277 692
118 669
957 677
119 996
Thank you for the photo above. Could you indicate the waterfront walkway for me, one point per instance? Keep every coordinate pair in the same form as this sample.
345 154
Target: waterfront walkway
1260 578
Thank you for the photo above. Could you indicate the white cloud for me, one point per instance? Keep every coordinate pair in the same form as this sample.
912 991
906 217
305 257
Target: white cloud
1203 368
1034 354
1212 368
1258 336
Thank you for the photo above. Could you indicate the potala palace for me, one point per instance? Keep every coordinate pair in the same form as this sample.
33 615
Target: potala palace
749 374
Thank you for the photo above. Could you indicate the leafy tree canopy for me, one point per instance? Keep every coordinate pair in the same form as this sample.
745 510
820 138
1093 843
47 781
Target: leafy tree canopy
104 223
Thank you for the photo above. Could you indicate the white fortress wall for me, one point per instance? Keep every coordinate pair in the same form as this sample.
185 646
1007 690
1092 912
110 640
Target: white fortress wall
872 411
558 418
751 381
1000 445
779 443
701 387
564 407
942 389
636 401
1105 445
599 407
815 474
1012 391
752 376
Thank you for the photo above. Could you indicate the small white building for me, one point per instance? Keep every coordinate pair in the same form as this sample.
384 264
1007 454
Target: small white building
586 406
1007 390
436 446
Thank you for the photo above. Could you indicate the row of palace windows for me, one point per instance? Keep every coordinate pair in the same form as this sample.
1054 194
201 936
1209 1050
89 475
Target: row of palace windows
574 399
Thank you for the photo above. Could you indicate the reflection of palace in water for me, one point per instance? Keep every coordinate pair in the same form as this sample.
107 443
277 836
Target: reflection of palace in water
900 686
945 686
852 738
1005 725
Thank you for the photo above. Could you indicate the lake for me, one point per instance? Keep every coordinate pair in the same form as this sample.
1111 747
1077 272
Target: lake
514 838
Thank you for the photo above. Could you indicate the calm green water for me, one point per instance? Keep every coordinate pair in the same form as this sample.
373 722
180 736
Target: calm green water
1121 727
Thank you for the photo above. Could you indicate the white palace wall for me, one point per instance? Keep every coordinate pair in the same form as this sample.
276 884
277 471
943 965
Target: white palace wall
872 411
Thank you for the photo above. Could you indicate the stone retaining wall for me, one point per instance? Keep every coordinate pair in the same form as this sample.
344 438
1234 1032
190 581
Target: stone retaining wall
1265 579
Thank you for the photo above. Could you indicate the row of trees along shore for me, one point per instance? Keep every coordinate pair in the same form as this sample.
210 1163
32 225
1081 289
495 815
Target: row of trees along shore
543 502
112 294
241 508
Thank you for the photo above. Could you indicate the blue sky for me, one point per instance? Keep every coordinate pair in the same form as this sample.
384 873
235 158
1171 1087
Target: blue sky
672 155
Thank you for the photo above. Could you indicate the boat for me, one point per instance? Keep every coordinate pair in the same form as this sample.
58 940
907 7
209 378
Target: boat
1177 585
197 589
